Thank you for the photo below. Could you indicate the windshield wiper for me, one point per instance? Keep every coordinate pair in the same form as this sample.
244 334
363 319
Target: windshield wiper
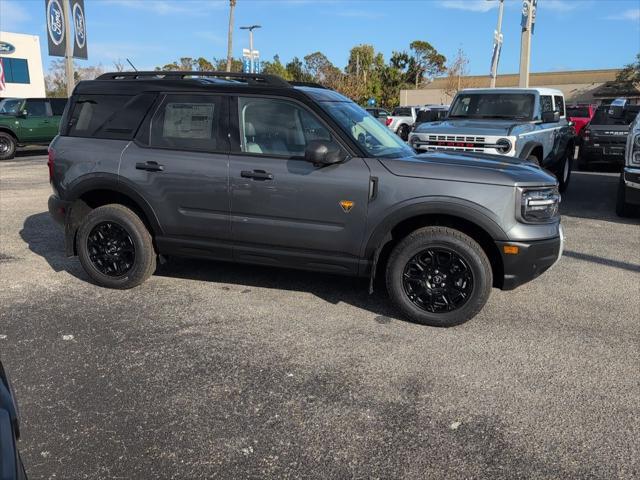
505 117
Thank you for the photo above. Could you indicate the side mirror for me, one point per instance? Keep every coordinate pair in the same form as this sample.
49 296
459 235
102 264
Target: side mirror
550 117
321 152
23 114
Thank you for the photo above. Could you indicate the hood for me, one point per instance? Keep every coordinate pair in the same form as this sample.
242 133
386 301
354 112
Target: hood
455 126
470 167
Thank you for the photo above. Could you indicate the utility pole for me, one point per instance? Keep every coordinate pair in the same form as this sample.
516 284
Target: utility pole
68 53
497 45
232 6
528 12
251 28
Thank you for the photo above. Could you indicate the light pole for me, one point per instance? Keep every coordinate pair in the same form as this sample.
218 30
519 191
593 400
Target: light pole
251 28
497 46
528 18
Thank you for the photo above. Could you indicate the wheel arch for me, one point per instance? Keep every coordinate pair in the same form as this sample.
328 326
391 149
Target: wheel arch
532 148
465 218
93 192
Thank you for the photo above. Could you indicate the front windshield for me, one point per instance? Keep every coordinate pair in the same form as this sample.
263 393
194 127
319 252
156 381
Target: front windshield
9 107
509 106
374 138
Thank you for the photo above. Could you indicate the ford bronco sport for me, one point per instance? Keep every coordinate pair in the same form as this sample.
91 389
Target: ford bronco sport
511 122
28 121
250 168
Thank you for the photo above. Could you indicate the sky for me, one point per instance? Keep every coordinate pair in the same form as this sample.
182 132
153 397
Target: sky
569 34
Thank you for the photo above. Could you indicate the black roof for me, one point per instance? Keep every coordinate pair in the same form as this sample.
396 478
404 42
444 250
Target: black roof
133 83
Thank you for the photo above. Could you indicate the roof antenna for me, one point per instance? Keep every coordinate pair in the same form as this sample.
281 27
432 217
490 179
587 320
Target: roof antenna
132 66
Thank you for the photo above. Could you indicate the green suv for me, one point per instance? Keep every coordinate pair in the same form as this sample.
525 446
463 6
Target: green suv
28 121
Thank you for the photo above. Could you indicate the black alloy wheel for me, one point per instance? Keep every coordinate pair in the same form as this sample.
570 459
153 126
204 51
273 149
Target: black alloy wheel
438 280
111 249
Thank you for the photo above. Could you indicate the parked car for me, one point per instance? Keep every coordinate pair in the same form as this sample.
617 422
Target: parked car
603 140
529 124
379 113
28 121
248 168
401 121
580 115
11 467
430 113
628 199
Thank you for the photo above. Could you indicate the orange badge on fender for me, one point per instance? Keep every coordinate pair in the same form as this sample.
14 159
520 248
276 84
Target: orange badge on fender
346 205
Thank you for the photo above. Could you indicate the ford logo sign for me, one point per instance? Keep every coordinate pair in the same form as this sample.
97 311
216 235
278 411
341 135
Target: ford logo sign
55 22
6 48
80 29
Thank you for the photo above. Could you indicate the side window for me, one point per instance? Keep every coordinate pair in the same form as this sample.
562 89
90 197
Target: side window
546 103
277 127
37 108
559 101
90 112
57 105
186 122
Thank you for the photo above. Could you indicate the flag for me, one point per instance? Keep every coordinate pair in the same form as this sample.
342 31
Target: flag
3 85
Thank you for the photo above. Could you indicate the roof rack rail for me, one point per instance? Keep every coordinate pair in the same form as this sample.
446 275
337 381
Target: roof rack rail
307 84
250 78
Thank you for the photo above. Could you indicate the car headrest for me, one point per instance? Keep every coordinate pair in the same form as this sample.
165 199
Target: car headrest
249 129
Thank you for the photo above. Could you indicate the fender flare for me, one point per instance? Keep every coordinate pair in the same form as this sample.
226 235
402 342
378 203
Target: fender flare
5 129
528 148
471 212
109 181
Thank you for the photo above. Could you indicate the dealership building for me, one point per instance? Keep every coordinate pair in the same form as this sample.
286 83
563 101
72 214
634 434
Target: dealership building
578 86
21 61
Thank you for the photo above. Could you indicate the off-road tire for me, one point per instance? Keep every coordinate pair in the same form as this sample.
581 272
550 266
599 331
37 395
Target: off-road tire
10 141
144 263
462 245
563 183
403 132
533 159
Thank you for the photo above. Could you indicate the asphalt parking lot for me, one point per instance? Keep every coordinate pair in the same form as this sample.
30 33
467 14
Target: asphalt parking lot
211 370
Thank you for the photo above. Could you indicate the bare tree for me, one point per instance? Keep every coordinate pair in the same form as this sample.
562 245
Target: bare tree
118 65
232 6
457 72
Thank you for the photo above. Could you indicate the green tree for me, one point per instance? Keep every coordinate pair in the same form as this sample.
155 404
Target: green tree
631 72
275 67
296 72
203 65
428 62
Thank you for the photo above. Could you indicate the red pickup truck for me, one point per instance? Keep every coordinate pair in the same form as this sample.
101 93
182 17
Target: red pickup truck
580 115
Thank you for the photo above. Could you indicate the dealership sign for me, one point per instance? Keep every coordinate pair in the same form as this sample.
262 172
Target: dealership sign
57 24
79 28
6 48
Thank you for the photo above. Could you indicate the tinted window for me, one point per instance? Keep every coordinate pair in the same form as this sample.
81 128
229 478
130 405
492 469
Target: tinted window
10 106
57 105
559 101
186 122
493 105
546 104
578 112
16 70
37 108
90 112
277 127
602 117
402 112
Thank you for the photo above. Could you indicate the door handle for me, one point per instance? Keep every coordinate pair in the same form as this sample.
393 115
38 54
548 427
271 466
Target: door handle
256 174
150 166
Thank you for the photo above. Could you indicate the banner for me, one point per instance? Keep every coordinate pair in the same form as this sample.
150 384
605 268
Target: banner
3 85
55 27
79 29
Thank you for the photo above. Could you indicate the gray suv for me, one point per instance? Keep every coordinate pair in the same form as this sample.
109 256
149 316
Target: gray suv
250 168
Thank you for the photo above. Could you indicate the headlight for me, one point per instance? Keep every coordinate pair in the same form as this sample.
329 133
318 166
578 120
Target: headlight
635 153
637 140
538 205
503 145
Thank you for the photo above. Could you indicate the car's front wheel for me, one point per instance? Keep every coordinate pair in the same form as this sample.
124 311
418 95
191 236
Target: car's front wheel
623 209
7 146
115 247
403 132
564 172
439 276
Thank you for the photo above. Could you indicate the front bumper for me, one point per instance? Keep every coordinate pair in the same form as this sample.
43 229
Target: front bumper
631 177
533 259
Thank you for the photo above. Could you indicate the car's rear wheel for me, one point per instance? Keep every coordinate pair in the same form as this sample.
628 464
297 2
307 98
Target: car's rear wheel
533 159
115 248
403 132
439 276
564 173
8 146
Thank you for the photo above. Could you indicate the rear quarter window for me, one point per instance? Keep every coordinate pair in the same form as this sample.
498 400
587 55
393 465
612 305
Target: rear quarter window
114 117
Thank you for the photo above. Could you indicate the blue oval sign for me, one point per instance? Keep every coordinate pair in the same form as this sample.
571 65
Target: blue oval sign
6 48
80 29
55 22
